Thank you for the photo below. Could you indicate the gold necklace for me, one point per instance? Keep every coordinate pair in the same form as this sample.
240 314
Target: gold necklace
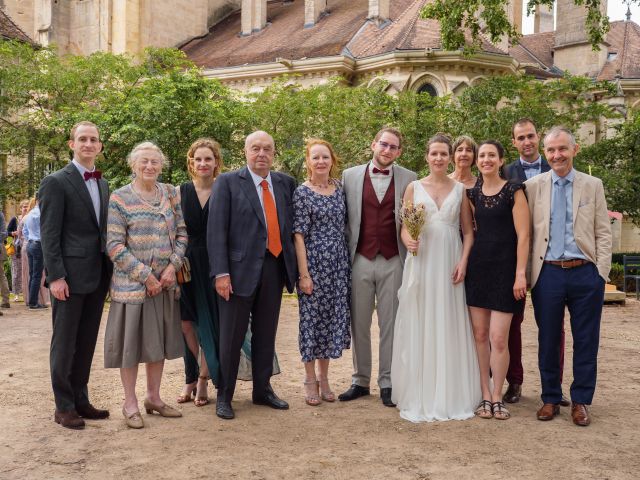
321 186
147 199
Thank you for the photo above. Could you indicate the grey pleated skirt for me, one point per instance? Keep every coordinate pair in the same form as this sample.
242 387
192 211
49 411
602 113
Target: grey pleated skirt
143 333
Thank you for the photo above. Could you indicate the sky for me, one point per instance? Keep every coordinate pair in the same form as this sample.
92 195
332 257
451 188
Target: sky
616 10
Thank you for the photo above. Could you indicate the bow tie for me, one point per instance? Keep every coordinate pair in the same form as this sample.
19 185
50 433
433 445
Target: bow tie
383 172
97 174
530 166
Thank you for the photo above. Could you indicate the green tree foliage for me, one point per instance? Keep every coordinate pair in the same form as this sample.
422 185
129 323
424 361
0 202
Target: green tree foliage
490 17
162 97
617 162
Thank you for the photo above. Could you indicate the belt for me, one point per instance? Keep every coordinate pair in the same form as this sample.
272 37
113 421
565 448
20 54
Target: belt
34 241
573 263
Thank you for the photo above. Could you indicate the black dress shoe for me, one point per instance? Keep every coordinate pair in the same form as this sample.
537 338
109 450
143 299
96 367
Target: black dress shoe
224 410
69 419
91 412
270 399
565 402
513 393
385 395
355 391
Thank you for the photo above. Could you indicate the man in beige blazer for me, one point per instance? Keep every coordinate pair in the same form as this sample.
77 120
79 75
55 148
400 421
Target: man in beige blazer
570 262
374 194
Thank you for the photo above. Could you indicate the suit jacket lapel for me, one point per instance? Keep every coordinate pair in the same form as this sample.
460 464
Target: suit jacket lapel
522 177
280 204
74 177
397 191
358 189
544 167
545 199
249 189
103 188
576 194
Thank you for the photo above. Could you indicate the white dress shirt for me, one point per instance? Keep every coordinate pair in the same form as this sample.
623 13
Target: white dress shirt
92 186
380 181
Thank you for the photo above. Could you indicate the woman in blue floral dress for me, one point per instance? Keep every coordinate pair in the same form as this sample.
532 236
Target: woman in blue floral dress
325 271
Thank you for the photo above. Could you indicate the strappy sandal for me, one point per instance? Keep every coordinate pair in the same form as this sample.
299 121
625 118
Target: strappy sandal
312 399
500 412
202 400
186 397
326 394
484 409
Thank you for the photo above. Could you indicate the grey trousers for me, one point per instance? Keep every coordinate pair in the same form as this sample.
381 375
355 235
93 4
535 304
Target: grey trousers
375 284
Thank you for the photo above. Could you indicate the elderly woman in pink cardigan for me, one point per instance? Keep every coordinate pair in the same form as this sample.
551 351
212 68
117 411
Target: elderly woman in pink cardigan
146 239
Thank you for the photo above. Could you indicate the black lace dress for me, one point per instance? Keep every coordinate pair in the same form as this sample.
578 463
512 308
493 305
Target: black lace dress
492 263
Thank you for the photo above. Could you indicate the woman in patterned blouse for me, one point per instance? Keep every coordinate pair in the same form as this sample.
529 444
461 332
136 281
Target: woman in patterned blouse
146 239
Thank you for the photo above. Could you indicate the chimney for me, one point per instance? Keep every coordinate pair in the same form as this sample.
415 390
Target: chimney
572 50
378 11
543 19
253 16
313 9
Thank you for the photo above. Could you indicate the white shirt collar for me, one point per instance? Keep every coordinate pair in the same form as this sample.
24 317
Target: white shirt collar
257 179
81 168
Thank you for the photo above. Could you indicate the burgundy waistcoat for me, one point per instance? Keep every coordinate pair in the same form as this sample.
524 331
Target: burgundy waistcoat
378 222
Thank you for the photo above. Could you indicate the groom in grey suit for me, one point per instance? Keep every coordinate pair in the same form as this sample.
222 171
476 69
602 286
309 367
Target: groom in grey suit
374 194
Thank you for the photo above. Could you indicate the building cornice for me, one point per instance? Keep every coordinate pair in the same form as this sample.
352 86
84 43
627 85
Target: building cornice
349 67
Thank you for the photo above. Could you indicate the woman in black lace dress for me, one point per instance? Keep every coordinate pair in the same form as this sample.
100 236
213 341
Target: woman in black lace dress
495 281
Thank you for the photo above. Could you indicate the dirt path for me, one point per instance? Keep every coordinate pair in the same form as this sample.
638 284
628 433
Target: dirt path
360 439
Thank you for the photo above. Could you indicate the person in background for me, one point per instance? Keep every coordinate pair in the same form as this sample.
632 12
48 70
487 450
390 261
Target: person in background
526 140
465 151
16 260
4 284
31 231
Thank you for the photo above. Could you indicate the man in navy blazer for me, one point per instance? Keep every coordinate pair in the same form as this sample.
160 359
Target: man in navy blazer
526 140
252 257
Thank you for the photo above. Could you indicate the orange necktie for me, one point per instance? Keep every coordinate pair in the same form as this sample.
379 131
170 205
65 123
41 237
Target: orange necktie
273 229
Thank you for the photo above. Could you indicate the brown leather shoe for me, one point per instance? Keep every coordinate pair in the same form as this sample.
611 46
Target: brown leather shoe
69 419
91 412
565 402
513 393
580 414
548 411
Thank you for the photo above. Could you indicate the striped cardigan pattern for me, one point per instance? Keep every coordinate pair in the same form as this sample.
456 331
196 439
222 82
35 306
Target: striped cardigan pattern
143 239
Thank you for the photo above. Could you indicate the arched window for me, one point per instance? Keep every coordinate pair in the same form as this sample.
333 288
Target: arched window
428 89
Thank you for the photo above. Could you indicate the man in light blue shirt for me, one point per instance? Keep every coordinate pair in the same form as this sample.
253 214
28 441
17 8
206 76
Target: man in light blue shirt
31 233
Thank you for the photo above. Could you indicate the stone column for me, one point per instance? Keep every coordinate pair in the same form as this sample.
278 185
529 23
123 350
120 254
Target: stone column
543 19
253 16
378 10
312 11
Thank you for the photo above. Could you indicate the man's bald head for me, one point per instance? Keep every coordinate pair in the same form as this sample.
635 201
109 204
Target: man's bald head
259 149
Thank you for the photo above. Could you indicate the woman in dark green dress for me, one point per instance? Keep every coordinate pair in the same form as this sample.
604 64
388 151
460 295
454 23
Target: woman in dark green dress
198 304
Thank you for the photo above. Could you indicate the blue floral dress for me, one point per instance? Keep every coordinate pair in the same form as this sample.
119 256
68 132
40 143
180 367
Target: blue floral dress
324 315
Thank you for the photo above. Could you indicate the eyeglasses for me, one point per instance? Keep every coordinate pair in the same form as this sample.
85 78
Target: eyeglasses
385 145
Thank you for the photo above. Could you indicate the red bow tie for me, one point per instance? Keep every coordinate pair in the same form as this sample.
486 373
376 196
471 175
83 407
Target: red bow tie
383 172
97 174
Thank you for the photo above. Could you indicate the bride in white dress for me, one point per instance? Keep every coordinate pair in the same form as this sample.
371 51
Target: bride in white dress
434 370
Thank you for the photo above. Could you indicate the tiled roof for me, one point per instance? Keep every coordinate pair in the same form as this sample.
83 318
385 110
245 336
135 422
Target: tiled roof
345 30
623 42
537 48
10 31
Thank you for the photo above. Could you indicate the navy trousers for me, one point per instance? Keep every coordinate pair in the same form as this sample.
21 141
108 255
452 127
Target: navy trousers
581 290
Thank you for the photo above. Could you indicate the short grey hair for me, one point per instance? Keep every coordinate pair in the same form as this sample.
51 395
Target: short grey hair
133 156
557 130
